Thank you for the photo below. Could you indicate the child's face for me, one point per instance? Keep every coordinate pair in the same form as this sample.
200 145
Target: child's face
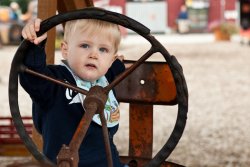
89 55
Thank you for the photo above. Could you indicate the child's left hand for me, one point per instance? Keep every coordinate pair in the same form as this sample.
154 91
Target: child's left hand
30 29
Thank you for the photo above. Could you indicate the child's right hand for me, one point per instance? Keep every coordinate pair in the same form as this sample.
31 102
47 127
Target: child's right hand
30 29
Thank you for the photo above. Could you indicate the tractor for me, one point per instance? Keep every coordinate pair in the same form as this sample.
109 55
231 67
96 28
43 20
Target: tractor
142 85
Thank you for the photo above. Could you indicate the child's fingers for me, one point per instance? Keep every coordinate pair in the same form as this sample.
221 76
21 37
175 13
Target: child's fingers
27 31
24 35
34 27
31 30
40 39
37 24
27 34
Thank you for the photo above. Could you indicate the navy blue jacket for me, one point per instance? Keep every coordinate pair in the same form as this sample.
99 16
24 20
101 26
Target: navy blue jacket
56 119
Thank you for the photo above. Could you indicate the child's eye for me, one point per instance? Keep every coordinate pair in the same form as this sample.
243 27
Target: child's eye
104 50
85 45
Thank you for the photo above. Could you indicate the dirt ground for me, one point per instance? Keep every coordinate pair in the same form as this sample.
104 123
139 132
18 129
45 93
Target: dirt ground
218 80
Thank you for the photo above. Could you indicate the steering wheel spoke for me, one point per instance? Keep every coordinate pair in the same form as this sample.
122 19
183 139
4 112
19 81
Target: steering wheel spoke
130 69
59 82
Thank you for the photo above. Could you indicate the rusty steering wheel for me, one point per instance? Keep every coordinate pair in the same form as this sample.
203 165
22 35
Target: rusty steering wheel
96 97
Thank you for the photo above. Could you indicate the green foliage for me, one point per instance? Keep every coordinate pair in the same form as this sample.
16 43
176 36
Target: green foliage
228 28
5 2
22 3
225 27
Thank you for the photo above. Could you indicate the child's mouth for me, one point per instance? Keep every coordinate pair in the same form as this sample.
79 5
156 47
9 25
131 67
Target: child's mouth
90 66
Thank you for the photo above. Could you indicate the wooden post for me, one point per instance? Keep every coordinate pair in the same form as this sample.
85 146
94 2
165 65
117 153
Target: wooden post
46 9
65 5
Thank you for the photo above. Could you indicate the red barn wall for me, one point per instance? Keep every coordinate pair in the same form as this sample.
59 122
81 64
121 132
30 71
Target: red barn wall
118 3
214 11
173 8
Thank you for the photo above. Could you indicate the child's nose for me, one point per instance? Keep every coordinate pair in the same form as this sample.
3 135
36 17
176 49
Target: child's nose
93 54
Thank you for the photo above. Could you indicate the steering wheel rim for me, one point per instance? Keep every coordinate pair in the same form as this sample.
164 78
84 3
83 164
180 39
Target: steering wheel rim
96 13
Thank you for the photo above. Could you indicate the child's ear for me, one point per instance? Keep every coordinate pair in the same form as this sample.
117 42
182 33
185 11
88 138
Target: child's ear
64 49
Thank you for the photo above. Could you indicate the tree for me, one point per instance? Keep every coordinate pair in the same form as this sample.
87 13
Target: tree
22 3
5 2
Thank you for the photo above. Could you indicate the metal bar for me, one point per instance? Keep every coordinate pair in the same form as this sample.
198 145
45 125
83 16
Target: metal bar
140 130
130 69
83 126
62 83
106 140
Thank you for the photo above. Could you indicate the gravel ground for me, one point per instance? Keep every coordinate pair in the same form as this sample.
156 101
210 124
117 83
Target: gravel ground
218 79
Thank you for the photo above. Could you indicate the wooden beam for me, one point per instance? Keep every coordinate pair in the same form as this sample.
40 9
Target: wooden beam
65 5
46 9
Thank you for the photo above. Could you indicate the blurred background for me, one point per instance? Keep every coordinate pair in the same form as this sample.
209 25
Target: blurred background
163 16
210 39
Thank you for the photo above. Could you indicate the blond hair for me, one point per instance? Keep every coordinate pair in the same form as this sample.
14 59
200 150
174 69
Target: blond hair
111 29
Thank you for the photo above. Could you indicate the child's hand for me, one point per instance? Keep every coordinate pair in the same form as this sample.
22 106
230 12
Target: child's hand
115 116
120 57
30 29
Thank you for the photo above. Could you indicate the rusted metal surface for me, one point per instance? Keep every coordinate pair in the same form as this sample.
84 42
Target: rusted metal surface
67 157
140 130
135 65
141 162
151 83
94 103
